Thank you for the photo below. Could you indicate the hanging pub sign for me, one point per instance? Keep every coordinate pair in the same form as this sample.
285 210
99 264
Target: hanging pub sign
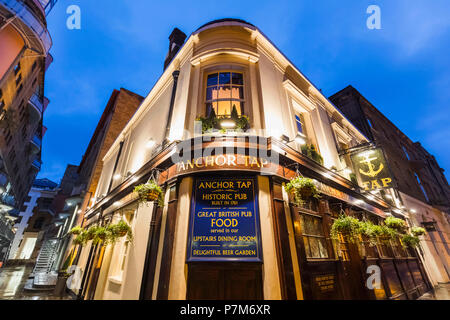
372 170
224 224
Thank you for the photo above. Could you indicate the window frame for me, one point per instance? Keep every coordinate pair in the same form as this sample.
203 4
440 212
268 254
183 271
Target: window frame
244 102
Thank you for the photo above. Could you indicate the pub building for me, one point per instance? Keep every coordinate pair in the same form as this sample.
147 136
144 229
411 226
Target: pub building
227 125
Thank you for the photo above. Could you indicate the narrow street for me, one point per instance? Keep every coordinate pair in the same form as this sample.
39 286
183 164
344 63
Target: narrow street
12 285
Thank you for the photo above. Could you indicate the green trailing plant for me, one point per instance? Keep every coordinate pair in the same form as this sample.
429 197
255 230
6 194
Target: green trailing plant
90 233
119 230
311 152
396 224
76 230
101 236
302 188
410 241
388 233
149 192
213 123
418 231
371 231
81 239
353 178
349 227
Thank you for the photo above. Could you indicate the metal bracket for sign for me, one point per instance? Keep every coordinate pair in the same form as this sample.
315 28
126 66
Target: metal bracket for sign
358 148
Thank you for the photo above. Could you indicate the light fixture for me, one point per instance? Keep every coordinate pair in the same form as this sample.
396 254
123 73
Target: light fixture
413 211
228 124
348 171
150 144
79 211
117 176
300 139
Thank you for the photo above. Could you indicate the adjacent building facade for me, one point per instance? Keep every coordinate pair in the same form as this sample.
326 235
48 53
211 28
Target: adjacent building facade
24 59
79 193
420 182
228 229
35 218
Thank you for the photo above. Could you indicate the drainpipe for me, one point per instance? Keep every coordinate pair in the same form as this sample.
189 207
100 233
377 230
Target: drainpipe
175 75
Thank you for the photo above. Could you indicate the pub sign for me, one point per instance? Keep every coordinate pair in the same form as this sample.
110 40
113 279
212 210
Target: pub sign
224 222
372 170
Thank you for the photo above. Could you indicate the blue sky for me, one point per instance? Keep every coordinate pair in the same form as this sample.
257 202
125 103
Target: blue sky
403 69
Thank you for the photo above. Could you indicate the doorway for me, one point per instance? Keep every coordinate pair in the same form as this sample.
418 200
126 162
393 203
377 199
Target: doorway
225 281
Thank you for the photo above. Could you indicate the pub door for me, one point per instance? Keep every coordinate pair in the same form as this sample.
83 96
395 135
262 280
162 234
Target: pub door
224 281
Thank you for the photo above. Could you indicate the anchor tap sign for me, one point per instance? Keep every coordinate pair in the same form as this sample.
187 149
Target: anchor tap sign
372 170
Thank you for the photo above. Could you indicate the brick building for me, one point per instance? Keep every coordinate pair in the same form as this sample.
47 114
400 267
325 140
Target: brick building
416 171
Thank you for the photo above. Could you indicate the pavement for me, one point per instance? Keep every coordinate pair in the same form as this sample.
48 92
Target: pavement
13 282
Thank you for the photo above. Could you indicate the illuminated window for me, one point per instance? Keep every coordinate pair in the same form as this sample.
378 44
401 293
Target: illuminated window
313 236
224 91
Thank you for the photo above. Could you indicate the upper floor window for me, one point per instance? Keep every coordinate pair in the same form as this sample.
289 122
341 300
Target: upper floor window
406 152
225 90
300 122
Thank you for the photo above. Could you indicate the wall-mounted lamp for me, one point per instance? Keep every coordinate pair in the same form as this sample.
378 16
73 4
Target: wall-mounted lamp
299 138
228 124
150 144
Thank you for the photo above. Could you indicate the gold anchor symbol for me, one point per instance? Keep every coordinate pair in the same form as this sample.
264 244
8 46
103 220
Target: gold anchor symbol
372 172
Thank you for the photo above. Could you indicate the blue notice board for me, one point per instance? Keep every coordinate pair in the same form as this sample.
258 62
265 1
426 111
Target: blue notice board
224 224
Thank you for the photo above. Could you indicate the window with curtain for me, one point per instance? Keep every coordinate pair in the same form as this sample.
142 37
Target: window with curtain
224 91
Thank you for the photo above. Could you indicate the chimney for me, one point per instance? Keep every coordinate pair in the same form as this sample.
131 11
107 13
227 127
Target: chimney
176 39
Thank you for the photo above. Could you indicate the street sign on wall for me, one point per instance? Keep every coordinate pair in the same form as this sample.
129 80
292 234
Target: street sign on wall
224 222
372 170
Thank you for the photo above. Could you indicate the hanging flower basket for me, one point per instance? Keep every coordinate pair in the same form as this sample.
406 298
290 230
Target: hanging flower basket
120 230
303 189
76 230
149 192
81 239
349 227
410 241
418 231
396 224
90 233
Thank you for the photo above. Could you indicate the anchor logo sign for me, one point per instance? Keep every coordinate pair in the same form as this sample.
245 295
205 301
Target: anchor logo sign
372 171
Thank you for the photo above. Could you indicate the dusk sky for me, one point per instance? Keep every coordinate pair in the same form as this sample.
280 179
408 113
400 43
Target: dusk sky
402 69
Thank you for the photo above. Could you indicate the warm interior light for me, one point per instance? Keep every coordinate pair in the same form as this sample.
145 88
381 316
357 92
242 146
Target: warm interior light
117 176
413 211
228 124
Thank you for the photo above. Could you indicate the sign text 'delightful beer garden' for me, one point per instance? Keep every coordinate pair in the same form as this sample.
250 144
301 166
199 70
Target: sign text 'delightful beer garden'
224 223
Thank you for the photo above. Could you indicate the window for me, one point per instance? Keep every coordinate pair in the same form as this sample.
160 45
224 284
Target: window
19 79
406 152
313 236
224 91
300 122
422 187
17 69
38 224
